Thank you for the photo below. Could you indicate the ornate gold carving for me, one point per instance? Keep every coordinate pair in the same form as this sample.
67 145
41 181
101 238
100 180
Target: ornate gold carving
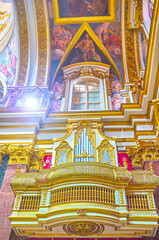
151 166
78 134
20 154
89 132
156 109
18 169
23 43
105 145
42 42
44 197
144 151
23 154
84 155
121 195
37 160
83 228
69 131
87 71
82 212
130 48
17 200
151 200
3 151
138 85
125 164
63 146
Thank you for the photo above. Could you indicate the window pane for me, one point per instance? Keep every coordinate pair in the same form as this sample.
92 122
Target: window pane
82 94
91 94
75 99
96 88
82 100
91 100
90 87
96 100
82 88
90 106
78 106
97 106
96 94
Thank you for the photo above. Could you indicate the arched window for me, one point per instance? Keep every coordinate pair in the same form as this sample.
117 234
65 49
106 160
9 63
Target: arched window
86 88
86 95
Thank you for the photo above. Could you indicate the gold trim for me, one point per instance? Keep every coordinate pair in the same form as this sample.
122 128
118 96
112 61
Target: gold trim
23 43
43 44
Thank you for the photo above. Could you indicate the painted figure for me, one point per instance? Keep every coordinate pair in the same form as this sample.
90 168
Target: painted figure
57 97
8 62
111 41
116 102
144 51
116 98
150 7
87 48
61 39
87 51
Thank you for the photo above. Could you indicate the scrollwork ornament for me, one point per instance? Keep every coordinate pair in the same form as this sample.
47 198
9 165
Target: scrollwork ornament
63 146
105 145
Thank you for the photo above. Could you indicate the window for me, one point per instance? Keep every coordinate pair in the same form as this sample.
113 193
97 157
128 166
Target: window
86 95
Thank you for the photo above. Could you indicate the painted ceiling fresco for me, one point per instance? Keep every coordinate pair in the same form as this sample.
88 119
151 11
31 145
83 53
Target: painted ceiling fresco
8 54
71 44
99 41
83 8
81 31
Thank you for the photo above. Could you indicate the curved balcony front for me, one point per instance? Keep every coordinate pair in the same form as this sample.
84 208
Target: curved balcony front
76 198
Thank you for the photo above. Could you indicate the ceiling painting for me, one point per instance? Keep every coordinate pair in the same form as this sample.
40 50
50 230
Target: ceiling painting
6 23
8 61
86 47
8 49
83 8
90 31
75 11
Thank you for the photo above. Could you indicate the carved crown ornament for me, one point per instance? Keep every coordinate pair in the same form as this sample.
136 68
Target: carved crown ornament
23 154
87 71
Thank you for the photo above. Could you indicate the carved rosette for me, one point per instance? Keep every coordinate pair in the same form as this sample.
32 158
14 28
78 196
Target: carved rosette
83 228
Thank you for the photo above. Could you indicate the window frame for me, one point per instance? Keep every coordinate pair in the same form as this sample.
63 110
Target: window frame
87 79
86 103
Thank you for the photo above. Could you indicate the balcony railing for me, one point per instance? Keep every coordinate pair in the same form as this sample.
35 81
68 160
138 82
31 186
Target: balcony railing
137 201
82 194
30 203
